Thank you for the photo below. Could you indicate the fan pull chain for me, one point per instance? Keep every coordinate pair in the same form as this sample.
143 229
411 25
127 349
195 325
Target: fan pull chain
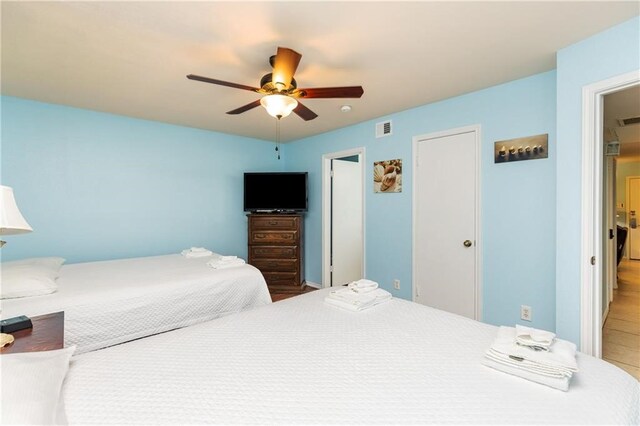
278 137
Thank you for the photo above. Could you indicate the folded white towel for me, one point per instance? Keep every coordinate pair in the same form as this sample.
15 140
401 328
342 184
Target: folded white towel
221 262
198 253
532 367
561 354
348 299
363 286
560 383
197 249
227 258
528 336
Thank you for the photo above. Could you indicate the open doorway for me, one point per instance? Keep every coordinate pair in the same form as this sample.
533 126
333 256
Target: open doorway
343 217
621 239
592 236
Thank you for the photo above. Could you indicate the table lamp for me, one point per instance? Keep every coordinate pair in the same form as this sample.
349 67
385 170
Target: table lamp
11 220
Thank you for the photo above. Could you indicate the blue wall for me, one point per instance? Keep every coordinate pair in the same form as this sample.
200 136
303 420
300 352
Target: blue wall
518 199
605 55
97 186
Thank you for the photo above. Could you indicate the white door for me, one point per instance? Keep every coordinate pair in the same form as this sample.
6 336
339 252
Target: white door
346 221
633 201
609 228
445 223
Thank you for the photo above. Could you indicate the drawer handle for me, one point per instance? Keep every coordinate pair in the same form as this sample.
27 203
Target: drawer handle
273 222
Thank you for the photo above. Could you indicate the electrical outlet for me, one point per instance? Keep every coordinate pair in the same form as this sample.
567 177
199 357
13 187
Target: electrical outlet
525 312
396 284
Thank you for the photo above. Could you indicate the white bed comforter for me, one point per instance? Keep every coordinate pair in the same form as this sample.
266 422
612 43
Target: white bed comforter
111 302
304 362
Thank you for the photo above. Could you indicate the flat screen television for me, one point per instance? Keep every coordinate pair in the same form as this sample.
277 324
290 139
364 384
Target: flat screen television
275 192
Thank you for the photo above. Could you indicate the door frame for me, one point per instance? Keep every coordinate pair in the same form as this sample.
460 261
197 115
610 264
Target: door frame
609 244
476 129
627 190
591 207
326 210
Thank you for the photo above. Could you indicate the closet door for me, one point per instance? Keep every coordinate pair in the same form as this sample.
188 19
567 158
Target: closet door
446 220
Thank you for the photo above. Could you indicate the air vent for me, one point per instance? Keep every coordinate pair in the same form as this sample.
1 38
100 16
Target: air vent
628 121
383 129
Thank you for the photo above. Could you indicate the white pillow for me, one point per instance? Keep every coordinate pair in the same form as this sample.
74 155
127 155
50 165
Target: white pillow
32 384
29 277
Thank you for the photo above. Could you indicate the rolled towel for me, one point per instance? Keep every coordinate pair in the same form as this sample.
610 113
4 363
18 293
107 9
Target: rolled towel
533 337
363 286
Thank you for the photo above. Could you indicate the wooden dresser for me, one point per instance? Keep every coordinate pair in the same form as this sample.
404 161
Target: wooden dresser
276 247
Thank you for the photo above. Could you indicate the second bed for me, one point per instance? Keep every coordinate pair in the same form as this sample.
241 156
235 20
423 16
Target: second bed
111 302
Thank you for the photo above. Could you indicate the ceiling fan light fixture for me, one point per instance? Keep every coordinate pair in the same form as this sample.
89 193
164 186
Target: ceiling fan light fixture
278 106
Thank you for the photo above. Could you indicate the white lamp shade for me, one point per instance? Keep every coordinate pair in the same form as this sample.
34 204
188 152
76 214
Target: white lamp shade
11 220
278 106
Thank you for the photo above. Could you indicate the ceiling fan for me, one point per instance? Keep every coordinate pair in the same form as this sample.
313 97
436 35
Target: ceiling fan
281 89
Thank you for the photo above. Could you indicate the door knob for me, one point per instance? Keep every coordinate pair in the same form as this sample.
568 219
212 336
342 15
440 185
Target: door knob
467 243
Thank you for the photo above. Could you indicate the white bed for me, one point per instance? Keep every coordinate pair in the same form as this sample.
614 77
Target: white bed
301 361
111 302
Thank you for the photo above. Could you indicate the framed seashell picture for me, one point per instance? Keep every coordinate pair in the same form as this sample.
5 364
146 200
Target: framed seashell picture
387 176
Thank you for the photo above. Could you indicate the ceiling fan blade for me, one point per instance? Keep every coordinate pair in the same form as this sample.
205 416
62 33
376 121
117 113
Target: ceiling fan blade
331 92
244 108
284 66
222 83
305 113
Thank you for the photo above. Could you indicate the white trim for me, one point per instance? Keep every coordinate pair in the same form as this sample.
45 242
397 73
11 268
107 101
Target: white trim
476 129
312 284
326 210
591 209
604 316
610 217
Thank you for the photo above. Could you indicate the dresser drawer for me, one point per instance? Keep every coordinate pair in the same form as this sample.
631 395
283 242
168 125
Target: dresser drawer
271 222
276 248
273 252
276 265
273 237
281 278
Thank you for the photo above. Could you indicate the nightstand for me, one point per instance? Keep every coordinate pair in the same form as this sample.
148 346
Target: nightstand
47 334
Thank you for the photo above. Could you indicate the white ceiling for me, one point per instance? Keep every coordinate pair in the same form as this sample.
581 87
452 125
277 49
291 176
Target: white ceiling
131 58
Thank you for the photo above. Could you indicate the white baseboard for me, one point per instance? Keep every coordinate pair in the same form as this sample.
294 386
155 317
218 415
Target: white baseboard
312 284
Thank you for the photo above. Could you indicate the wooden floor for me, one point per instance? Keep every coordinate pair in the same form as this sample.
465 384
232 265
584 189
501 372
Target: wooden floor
287 292
621 331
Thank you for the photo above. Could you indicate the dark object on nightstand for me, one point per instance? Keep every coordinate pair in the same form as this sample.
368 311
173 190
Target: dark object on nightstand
47 334
11 325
